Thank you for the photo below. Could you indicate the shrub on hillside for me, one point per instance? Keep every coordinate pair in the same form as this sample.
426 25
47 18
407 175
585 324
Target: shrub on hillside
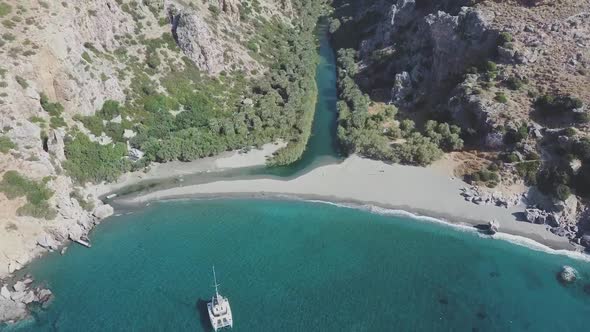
14 185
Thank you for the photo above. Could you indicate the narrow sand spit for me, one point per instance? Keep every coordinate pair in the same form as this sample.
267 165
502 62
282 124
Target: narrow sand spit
424 191
224 161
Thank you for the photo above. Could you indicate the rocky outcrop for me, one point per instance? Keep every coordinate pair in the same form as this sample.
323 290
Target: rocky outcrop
471 111
55 144
103 211
401 93
458 41
477 196
230 8
198 42
567 275
13 304
430 49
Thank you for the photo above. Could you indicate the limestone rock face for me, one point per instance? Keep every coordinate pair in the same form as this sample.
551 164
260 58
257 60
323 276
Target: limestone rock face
55 144
47 242
198 42
457 41
398 14
402 89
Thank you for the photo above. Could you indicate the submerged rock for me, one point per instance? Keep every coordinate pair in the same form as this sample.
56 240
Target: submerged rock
568 274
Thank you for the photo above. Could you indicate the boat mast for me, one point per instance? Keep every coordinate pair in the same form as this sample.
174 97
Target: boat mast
215 280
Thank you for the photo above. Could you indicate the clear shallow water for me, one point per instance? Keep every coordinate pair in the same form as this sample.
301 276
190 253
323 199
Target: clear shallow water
300 266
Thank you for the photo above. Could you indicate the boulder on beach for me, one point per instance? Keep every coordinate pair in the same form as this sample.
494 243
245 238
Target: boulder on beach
567 274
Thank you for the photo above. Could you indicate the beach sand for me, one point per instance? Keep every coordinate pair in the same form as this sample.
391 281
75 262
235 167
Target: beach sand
427 191
160 171
19 235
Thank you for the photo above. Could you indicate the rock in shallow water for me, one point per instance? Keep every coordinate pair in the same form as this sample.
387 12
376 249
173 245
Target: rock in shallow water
568 274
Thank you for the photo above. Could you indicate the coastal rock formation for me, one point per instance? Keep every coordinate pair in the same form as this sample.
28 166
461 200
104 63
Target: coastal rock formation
103 211
13 304
568 274
75 58
199 43
477 196
458 41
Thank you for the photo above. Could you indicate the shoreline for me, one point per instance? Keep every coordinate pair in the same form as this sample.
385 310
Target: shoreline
559 244
423 192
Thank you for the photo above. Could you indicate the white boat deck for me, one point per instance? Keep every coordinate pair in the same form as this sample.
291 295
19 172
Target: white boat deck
219 310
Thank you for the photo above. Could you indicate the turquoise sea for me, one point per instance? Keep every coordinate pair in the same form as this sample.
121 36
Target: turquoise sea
301 266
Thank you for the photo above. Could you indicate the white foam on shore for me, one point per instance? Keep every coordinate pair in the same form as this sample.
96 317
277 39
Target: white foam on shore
401 213
534 245
513 239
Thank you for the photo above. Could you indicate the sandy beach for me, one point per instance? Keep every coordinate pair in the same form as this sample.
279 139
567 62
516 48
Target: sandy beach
19 242
159 171
422 191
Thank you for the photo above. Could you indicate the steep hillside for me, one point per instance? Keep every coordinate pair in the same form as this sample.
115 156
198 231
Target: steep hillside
504 83
90 90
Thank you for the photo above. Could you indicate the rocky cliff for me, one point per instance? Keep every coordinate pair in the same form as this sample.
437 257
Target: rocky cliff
62 62
513 75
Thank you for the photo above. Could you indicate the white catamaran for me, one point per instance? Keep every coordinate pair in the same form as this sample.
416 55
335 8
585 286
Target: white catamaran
219 310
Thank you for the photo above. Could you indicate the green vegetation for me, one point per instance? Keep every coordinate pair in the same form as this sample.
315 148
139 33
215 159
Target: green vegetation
515 83
504 37
557 177
501 97
362 132
6 144
195 115
54 109
84 203
528 171
557 104
86 57
22 82
516 135
5 9
444 135
89 161
487 176
14 185
334 25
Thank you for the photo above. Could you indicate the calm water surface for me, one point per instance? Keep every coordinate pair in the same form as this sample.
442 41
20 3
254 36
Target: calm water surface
297 266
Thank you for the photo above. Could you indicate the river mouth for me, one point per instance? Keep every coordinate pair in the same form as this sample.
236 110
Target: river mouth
322 147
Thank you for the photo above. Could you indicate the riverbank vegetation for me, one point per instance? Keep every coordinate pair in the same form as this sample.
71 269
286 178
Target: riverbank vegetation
185 114
376 132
